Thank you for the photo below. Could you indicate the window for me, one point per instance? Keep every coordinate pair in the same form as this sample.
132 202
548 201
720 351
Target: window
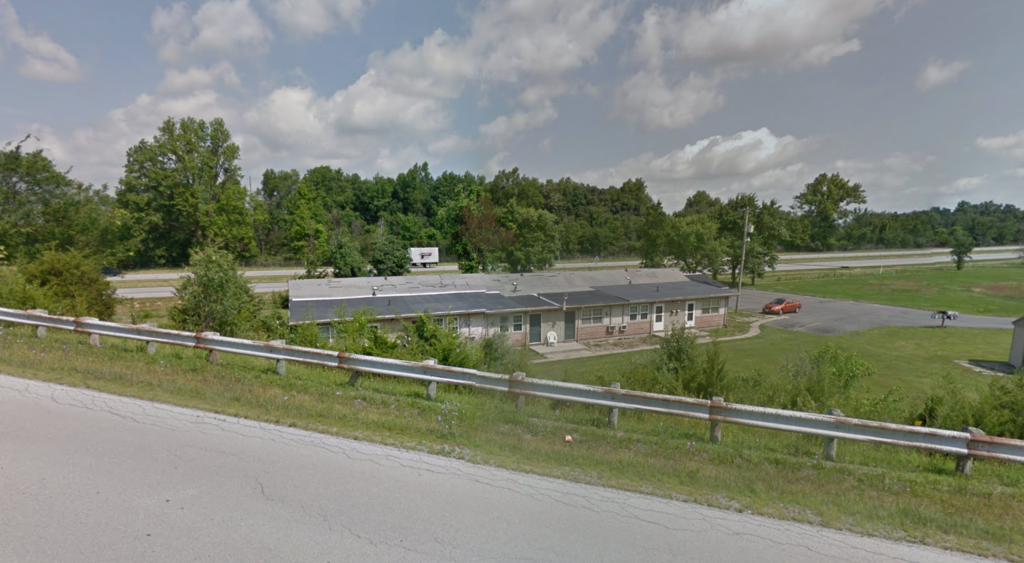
592 316
452 324
634 313
645 312
709 306
439 321
517 323
503 324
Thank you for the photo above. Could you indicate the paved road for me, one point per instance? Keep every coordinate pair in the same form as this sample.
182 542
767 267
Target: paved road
834 316
88 477
854 255
146 292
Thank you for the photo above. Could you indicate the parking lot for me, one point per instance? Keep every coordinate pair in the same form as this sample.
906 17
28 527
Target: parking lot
833 316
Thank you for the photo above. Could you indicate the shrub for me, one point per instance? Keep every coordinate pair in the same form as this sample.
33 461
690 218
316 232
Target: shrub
216 297
680 367
16 292
70 285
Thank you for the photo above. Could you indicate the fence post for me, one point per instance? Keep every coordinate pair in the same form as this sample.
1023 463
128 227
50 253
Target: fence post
150 346
828 449
40 330
613 414
431 385
280 363
716 423
965 463
214 356
520 399
94 339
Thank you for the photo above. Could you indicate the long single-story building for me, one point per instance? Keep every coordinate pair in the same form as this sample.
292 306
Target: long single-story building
529 308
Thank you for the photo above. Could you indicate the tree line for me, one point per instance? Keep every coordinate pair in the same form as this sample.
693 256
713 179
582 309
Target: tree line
183 190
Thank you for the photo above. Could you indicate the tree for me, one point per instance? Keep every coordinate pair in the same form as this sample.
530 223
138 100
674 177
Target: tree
43 208
215 297
71 285
181 191
960 247
481 238
693 243
390 257
534 238
824 205
346 260
653 234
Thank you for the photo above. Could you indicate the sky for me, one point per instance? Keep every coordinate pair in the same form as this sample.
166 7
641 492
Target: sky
917 100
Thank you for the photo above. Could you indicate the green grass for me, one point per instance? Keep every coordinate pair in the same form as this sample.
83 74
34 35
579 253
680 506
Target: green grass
884 491
978 289
737 325
915 359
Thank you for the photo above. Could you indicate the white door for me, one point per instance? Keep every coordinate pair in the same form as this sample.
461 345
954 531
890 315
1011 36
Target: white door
691 308
659 318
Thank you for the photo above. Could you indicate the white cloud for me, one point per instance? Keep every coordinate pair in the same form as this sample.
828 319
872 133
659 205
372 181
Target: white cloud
315 17
895 171
224 28
937 73
494 165
198 78
505 127
741 33
647 101
449 144
743 154
1009 145
43 59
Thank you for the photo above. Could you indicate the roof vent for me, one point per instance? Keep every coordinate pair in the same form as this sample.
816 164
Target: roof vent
629 280
515 285
375 291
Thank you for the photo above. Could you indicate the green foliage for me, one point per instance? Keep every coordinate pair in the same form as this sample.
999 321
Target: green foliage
389 257
181 191
346 260
17 293
824 379
43 208
70 285
215 298
654 231
680 367
824 205
535 238
960 247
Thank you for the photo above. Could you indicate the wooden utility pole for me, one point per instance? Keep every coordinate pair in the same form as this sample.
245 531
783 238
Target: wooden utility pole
743 256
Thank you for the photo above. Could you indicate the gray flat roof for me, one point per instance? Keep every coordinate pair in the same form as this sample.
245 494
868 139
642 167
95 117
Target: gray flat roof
505 284
665 291
402 306
582 298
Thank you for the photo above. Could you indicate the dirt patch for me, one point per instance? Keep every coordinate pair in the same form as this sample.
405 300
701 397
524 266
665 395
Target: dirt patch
627 343
1003 289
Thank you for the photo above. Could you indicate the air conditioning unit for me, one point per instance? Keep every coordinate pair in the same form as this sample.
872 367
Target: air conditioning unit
623 327
611 328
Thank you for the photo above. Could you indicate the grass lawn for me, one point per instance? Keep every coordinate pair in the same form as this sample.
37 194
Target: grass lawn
979 289
884 491
913 358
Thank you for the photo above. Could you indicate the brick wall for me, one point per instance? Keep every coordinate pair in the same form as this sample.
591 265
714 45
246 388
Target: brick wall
710 321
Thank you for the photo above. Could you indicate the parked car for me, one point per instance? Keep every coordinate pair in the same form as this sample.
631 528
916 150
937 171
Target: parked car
110 271
781 306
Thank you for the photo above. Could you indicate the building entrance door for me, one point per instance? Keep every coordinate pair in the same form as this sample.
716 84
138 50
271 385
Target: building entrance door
534 328
691 309
659 318
570 326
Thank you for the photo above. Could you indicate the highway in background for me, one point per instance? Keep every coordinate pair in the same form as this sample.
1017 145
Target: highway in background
90 477
842 261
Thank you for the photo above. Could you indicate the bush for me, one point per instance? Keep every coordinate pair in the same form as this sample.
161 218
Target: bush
680 367
16 292
70 285
216 297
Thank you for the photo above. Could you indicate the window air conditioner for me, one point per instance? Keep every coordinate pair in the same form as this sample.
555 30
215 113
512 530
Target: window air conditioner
611 328
623 327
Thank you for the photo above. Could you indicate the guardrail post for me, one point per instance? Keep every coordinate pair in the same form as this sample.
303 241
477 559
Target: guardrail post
965 463
613 414
354 378
280 363
40 330
520 399
828 449
214 355
716 422
94 339
431 386
150 346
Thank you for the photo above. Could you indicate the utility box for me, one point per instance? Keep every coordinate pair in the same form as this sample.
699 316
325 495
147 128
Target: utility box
424 256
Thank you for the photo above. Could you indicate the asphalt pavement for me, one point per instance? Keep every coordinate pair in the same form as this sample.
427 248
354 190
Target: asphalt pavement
89 477
835 316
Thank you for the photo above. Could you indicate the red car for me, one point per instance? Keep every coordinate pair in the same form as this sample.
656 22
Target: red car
781 306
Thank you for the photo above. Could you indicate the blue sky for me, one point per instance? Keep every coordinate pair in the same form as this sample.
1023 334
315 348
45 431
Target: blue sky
917 100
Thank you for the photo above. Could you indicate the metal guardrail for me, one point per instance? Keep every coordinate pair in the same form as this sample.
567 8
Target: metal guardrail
965 444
